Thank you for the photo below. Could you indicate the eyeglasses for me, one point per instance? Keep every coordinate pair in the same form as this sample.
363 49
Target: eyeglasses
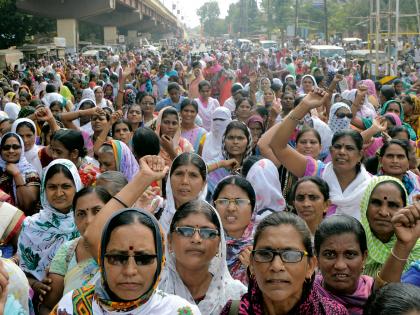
7 147
122 259
342 115
286 255
205 233
239 202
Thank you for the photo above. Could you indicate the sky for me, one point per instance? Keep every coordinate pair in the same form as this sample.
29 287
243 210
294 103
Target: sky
188 9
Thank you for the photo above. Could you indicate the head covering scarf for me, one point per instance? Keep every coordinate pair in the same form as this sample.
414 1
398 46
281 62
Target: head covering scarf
384 109
54 97
264 178
12 110
124 159
291 77
370 86
367 110
222 287
301 91
23 165
44 232
378 251
212 149
31 155
170 209
396 118
335 123
413 119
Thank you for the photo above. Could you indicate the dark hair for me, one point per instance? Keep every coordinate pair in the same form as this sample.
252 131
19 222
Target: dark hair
101 192
322 185
170 111
50 88
340 224
306 129
239 102
403 193
187 102
236 124
239 181
248 163
393 299
173 86
141 95
409 100
121 121
145 142
276 87
187 158
291 85
26 124
58 169
403 144
34 103
388 92
25 95
286 218
261 111
357 138
395 130
298 100
71 140
9 135
117 179
202 84
194 207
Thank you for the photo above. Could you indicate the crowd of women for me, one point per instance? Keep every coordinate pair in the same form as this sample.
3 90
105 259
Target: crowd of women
208 185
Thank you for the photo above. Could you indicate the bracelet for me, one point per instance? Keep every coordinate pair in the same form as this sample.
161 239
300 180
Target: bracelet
120 201
380 281
396 257
292 117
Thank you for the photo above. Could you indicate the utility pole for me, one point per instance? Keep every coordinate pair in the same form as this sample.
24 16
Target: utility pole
418 15
296 17
370 32
397 23
326 21
389 37
378 26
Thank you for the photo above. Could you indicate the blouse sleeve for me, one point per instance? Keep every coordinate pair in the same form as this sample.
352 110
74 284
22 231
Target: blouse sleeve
313 167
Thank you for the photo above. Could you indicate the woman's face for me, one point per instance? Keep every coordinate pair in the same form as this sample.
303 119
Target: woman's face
308 144
23 102
289 80
59 151
407 107
55 109
287 102
106 161
27 136
194 253
205 92
188 114
394 108
60 191
384 202
309 202
395 161
341 262
169 125
281 282
99 94
345 154
290 90
341 111
186 183
99 122
268 96
108 90
243 111
307 84
128 281
134 114
122 133
86 208
398 88
5 127
236 143
236 214
256 130
11 150
265 84
147 105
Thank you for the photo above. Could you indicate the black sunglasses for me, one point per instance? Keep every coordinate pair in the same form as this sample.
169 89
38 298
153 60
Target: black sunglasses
205 233
122 259
342 115
7 147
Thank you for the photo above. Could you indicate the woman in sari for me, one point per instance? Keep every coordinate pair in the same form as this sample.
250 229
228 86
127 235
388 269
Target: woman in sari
168 129
44 232
198 77
115 155
18 178
11 220
190 131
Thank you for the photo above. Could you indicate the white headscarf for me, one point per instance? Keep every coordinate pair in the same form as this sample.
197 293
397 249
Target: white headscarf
170 209
212 149
44 232
264 178
301 91
32 154
367 110
335 123
222 286
12 110
54 97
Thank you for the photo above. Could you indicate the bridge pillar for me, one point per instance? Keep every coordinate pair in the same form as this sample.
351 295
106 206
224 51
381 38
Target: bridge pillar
67 28
110 35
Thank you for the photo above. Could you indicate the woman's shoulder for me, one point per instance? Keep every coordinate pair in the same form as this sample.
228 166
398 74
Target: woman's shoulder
164 303
329 306
235 289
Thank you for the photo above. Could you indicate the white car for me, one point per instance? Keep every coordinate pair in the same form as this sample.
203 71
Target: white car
150 48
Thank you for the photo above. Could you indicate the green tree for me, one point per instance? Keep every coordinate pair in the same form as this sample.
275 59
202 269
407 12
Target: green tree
15 26
208 13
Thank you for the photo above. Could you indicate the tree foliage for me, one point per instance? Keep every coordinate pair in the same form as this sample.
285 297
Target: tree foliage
209 13
15 26
244 17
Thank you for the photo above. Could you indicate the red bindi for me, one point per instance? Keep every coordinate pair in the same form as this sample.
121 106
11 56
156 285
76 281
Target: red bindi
131 248
385 198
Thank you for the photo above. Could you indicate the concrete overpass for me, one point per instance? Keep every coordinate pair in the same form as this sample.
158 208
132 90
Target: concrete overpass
116 16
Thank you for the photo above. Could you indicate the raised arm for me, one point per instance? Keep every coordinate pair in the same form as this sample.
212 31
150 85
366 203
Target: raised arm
152 168
278 136
379 124
104 133
406 224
